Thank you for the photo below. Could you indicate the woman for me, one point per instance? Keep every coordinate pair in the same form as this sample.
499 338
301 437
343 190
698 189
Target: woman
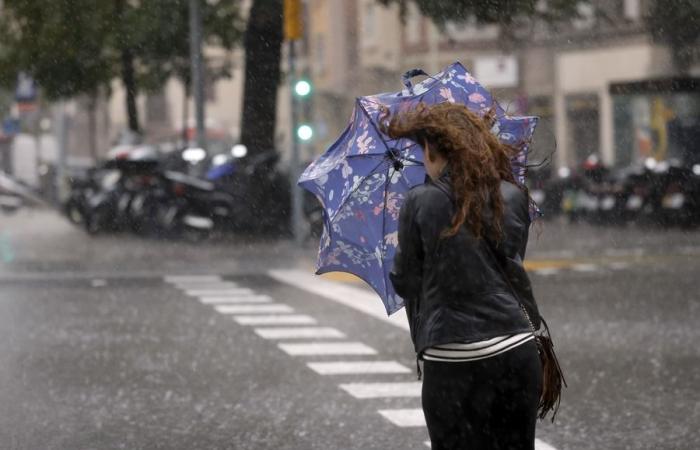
472 325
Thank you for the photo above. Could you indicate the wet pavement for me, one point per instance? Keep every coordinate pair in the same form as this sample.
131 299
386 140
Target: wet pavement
102 350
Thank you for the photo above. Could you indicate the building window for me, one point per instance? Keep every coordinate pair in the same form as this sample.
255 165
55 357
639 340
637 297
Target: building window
631 9
470 30
586 17
369 19
582 114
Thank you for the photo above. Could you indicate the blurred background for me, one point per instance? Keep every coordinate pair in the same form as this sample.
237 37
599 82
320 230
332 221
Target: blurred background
614 84
149 153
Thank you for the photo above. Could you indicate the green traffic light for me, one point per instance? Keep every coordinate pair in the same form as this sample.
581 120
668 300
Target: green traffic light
302 88
305 132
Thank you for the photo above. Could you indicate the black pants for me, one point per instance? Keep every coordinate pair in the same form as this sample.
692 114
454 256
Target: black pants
488 404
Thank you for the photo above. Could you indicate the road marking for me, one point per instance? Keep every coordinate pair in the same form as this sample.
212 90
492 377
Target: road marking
328 348
618 265
213 292
206 286
254 309
546 272
404 417
539 445
357 367
287 319
299 333
98 282
357 298
585 267
186 278
380 390
236 299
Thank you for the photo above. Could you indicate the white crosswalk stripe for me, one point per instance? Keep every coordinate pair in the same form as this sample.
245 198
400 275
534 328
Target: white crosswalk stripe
539 445
187 278
547 272
404 417
328 348
585 267
236 299
212 292
379 390
190 286
254 309
298 333
357 367
275 319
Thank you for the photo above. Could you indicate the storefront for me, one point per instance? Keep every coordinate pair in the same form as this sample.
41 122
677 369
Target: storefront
657 118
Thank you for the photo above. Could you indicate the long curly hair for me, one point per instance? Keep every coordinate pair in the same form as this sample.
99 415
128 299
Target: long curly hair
477 160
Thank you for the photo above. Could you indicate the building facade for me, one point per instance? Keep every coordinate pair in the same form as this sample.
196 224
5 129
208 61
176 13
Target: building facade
563 73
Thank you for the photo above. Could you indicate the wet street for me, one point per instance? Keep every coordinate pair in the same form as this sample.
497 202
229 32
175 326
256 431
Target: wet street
117 342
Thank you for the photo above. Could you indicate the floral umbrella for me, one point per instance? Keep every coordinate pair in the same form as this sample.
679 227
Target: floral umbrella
362 179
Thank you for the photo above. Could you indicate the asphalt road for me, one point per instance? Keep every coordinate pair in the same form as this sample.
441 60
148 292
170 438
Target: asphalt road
103 349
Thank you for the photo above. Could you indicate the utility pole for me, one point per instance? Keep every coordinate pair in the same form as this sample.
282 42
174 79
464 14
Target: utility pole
197 69
292 31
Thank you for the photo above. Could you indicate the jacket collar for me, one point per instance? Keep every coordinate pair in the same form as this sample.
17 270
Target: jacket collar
443 178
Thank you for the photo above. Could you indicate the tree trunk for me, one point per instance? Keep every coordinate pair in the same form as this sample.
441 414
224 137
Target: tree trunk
127 65
129 80
263 46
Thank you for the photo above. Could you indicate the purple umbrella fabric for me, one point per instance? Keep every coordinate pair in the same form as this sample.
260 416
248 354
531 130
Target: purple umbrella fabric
362 179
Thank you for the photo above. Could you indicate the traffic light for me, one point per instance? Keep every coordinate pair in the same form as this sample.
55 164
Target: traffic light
305 132
302 88
302 91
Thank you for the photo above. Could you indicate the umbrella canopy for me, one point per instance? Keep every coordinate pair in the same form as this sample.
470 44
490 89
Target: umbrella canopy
362 179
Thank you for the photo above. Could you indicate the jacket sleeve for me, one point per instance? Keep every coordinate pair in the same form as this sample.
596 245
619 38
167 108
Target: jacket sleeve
406 275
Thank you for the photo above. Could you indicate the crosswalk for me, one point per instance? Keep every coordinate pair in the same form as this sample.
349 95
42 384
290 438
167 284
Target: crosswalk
299 335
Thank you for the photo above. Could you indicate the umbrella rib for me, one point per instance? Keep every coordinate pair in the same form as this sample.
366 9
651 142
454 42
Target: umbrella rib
371 122
342 204
383 249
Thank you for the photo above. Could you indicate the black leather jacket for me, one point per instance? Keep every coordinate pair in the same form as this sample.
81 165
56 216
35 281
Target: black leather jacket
456 289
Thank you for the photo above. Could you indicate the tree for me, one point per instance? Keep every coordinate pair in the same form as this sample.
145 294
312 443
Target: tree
61 44
161 29
152 38
263 47
65 61
676 24
74 47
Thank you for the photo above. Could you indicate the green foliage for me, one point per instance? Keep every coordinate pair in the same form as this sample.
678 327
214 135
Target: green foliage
61 44
677 24
71 47
160 37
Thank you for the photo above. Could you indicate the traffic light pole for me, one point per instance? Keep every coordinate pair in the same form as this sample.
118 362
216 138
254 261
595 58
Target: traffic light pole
295 163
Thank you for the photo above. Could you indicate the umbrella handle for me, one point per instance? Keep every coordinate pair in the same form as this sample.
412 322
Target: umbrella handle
406 78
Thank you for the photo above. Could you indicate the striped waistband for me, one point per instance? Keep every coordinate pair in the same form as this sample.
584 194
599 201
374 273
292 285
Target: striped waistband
472 351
